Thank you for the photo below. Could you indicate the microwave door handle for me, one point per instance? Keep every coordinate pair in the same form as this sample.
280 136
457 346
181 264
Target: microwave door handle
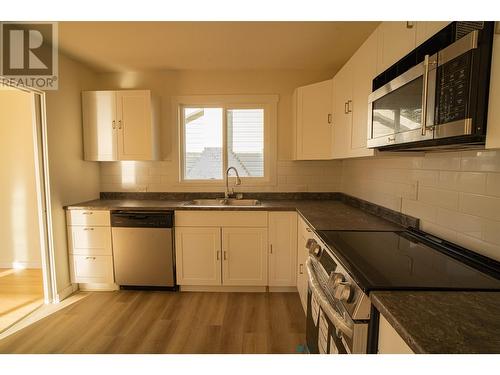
423 120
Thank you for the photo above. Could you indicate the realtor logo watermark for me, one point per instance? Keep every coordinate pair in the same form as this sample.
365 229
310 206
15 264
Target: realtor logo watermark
29 55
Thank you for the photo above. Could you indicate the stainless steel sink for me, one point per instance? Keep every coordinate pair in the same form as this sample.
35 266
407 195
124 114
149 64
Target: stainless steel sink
224 202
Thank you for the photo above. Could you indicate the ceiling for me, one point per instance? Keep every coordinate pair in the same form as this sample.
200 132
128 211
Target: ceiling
141 46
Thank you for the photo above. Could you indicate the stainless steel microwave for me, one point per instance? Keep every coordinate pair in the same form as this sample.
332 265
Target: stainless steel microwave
441 101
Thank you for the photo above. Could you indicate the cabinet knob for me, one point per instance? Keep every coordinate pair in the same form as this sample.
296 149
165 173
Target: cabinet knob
329 118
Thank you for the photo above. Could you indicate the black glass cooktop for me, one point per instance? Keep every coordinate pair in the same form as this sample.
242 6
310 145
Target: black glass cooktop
406 260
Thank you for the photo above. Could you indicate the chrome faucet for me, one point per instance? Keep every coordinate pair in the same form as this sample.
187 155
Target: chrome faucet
228 193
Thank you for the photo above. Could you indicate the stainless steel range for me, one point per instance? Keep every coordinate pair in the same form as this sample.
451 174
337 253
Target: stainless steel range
344 267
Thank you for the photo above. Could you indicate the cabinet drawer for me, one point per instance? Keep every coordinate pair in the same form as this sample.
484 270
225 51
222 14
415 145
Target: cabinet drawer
86 240
88 217
91 269
220 219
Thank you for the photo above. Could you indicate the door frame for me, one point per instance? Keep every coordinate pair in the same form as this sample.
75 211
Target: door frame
39 131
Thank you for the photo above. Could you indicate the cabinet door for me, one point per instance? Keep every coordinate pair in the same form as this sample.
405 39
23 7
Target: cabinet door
364 70
426 29
198 253
282 248
342 112
134 121
389 341
244 256
493 129
99 125
302 254
396 39
313 121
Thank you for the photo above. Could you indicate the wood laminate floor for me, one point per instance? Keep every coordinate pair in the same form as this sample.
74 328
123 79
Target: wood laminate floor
168 322
21 292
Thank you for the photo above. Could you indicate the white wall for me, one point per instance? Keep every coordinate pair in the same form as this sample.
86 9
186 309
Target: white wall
455 194
163 175
71 178
19 229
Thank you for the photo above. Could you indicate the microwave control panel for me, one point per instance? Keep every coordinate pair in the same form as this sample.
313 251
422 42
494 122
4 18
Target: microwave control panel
453 81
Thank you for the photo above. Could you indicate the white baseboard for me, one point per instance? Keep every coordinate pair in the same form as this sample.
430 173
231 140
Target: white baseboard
66 292
88 287
20 265
206 288
281 289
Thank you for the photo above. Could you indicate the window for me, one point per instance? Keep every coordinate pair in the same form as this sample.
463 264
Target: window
217 136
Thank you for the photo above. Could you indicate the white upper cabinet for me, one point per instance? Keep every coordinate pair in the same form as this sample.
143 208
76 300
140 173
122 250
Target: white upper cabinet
493 129
342 111
426 29
351 87
119 125
364 69
395 40
312 118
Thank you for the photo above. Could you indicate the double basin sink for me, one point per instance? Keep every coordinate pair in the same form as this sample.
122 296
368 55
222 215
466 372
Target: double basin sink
221 202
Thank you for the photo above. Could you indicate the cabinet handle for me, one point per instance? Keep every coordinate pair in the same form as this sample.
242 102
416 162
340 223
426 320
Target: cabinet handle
346 108
349 106
88 228
271 248
93 258
87 213
409 24
309 230
225 255
119 124
301 269
114 124
329 118
218 255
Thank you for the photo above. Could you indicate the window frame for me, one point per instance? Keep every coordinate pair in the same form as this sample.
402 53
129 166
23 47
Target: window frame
230 102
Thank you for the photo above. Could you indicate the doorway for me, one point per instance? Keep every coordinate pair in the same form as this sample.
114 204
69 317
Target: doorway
26 280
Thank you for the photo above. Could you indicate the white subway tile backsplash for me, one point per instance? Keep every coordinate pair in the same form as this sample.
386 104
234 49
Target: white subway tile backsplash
470 182
493 184
157 176
480 205
447 161
439 197
482 161
458 193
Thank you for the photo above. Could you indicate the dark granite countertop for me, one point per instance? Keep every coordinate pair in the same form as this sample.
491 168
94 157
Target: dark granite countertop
443 322
320 214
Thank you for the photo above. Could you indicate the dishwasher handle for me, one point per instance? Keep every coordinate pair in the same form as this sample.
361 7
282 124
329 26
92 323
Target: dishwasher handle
142 219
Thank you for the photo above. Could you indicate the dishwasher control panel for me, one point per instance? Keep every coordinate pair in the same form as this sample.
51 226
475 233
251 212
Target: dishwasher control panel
142 219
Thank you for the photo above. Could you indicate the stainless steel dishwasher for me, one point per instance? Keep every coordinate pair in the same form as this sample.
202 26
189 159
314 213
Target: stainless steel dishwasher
143 248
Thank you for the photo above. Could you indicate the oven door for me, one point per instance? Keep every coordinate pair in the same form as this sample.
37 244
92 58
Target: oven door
329 328
402 111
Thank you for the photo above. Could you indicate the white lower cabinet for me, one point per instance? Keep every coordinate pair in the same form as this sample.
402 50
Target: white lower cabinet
90 248
282 248
236 249
244 259
96 269
389 341
198 254
303 231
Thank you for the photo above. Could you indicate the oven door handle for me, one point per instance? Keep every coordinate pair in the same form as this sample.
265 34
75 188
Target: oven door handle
333 315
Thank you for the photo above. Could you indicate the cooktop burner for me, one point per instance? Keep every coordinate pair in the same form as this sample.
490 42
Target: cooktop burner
407 260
